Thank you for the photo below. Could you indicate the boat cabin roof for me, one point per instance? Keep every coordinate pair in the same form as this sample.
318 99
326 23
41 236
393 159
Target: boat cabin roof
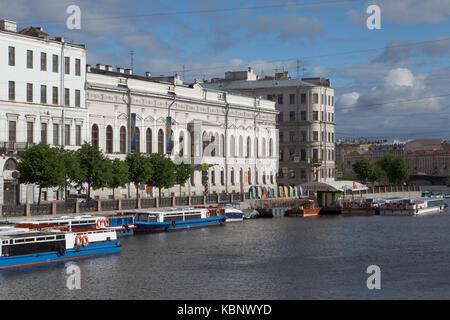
166 211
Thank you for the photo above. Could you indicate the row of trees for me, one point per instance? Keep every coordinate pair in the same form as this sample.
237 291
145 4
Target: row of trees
390 167
87 168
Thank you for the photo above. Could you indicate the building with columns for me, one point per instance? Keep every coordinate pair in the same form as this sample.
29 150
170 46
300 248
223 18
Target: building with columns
306 121
235 135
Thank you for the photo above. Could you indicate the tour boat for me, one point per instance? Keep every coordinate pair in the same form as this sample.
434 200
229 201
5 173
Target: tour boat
306 209
41 246
123 225
411 207
174 219
231 211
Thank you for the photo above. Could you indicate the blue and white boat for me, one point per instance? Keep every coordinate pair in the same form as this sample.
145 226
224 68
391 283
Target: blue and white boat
122 223
175 219
417 206
232 211
20 248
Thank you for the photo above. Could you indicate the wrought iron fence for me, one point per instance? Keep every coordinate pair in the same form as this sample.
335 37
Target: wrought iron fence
129 204
13 211
66 207
148 203
182 201
196 200
109 205
165 202
40 209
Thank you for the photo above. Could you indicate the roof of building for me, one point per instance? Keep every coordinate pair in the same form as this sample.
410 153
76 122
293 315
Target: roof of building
340 185
257 84
34 32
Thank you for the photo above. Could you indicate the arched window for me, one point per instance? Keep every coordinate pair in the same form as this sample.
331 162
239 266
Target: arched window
264 177
138 140
213 145
109 139
205 143
232 176
222 145
249 147
263 149
270 147
256 148
94 135
249 176
10 164
241 147
222 177
161 141
148 140
232 147
181 143
123 140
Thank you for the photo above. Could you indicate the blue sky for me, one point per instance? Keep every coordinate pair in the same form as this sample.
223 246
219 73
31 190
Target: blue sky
390 83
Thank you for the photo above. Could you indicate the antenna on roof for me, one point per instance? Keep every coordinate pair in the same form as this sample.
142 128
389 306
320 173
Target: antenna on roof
131 67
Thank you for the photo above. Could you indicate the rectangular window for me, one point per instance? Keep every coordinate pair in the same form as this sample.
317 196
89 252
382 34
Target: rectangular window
29 59
303 98
11 133
43 61
292 98
67 97
315 115
280 99
55 95
316 135
281 136
304 136
315 98
303 115
77 98
67 134
30 126
55 64
291 136
303 155
12 90
332 101
11 56
315 154
270 97
280 117
78 135
77 67
67 65
43 94
29 92
292 116
56 134
322 115
44 132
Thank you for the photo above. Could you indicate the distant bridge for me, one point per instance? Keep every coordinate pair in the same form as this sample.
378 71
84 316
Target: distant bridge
422 179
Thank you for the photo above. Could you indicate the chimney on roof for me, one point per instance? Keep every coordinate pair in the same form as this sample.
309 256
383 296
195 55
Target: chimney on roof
109 68
7 25
128 71
148 74
101 66
120 70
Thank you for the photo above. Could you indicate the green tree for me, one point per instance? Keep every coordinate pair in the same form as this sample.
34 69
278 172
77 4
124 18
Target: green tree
139 170
363 169
93 166
163 172
395 168
71 166
183 171
43 166
119 174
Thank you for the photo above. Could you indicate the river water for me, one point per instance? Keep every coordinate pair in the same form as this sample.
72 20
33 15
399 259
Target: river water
323 257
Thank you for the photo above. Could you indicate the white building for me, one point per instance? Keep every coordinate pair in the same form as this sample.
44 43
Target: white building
236 135
306 121
42 98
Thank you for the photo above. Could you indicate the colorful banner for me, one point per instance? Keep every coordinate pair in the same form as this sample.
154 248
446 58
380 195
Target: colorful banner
133 132
169 135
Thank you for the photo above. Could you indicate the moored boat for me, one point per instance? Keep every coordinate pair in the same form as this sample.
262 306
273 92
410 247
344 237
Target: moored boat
307 208
409 207
36 247
122 223
174 219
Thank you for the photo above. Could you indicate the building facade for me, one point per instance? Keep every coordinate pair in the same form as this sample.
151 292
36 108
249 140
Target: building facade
306 121
235 135
42 98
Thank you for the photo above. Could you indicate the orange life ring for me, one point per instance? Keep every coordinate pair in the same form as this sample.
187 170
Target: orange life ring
218 212
85 241
78 240
99 223
106 222
208 214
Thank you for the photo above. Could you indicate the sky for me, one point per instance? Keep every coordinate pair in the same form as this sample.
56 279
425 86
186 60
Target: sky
390 83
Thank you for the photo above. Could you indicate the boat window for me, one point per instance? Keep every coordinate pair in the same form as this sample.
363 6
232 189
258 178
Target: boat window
83 222
29 240
50 238
59 237
19 240
40 239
